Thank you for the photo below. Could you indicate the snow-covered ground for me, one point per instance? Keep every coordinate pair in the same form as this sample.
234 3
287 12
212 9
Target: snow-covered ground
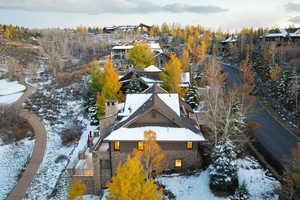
13 158
193 187
10 92
64 109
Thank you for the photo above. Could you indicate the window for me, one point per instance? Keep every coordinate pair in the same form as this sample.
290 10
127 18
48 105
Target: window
178 163
189 145
140 145
117 145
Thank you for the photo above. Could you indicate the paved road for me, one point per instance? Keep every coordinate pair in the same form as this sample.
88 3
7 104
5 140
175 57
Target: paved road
40 133
276 140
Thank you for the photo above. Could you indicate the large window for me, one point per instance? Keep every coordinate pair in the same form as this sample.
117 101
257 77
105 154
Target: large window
140 145
178 163
189 145
117 145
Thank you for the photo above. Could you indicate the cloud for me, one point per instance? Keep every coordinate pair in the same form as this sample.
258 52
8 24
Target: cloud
295 19
294 7
106 6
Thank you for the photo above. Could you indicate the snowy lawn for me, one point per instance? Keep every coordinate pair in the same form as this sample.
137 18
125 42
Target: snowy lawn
58 108
194 187
10 92
13 158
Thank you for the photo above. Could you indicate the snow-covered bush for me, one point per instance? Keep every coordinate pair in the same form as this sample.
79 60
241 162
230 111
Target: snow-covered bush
223 170
241 193
134 87
191 97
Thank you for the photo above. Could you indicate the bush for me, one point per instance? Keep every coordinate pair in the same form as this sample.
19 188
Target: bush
223 170
241 193
71 134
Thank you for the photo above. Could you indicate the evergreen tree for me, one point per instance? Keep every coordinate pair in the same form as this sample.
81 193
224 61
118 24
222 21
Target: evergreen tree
241 193
191 96
134 87
130 183
281 87
223 170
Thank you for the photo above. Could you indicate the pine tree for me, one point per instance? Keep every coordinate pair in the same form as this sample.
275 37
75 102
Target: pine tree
76 191
241 193
172 75
223 170
130 183
191 96
134 87
151 157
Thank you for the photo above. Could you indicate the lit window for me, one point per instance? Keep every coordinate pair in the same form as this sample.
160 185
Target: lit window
189 145
141 145
117 145
178 163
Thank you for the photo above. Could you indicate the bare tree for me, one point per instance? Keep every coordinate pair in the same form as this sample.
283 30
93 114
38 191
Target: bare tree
226 109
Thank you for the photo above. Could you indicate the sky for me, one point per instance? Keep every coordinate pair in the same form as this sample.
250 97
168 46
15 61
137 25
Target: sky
228 15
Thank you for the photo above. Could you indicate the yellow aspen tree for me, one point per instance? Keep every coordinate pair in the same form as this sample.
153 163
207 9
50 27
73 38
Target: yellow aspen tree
165 28
185 60
130 183
141 55
76 190
100 105
190 42
199 52
275 72
151 157
172 75
111 84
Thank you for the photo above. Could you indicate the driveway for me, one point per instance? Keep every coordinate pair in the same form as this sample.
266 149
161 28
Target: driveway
275 140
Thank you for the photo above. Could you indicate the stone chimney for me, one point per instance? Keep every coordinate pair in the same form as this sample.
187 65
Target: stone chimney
111 111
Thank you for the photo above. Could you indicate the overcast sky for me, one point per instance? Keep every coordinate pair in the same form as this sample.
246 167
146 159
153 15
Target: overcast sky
229 15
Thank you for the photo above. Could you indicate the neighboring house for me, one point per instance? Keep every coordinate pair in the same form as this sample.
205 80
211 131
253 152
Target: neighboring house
141 27
230 41
283 35
121 51
177 133
148 77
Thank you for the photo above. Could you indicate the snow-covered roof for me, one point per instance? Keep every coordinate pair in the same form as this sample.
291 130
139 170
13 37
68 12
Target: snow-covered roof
280 33
135 101
150 81
122 47
152 68
231 38
162 134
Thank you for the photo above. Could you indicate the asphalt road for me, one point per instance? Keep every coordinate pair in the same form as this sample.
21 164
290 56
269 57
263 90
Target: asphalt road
276 141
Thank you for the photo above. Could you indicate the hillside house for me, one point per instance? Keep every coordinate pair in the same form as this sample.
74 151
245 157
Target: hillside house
230 41
141 28
283 36
122 131
148 77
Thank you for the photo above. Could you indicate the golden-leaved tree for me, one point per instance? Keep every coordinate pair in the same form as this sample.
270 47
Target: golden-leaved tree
110 87
151 158
141 55
185 60
131 183
172 75
76 190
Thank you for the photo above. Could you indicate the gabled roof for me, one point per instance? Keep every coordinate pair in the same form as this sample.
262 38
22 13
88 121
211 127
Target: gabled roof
156 103
152 68
155 89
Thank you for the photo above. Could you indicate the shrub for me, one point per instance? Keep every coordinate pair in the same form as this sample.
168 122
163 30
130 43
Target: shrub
71 134
241 193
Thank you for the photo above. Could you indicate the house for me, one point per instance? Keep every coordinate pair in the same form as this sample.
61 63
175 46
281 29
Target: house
141 27
121 51
282 36
148 77
178 135
230 41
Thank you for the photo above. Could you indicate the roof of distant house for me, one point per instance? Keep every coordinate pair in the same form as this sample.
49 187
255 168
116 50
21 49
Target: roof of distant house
231 39
152 68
